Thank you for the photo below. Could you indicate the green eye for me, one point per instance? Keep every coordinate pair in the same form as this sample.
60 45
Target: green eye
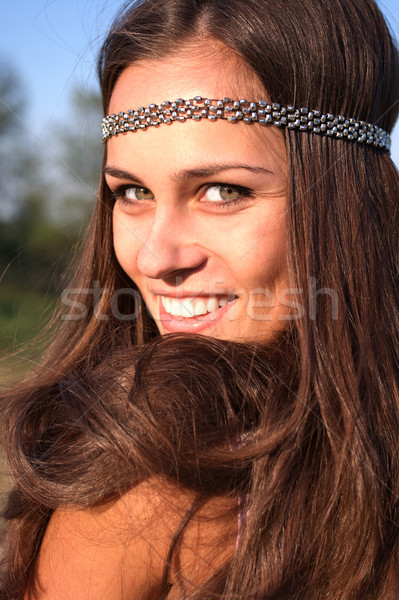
216 193
139 193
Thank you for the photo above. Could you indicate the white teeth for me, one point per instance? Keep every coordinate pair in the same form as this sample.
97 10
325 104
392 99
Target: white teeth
166 303
187 309
175 308
190 307
212 304
200 308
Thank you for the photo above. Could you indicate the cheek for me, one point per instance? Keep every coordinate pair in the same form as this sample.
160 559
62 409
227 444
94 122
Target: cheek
271 254
259 253
126 245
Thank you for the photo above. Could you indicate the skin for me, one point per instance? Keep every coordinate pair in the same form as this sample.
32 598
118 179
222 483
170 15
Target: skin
177 240
176 237
119 551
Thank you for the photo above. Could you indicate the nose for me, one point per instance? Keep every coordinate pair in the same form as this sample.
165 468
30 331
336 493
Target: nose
170 248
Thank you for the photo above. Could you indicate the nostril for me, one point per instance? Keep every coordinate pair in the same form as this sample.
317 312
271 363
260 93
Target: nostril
170 261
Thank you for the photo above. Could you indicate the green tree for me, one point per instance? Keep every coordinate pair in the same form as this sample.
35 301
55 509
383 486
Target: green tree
43 198
12 99
79 150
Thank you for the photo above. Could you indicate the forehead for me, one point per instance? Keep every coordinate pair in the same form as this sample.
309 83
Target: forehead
193 72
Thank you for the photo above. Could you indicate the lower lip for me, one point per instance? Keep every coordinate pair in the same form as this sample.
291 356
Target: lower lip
192 324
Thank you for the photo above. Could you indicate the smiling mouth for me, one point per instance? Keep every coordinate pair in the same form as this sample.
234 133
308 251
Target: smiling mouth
189 308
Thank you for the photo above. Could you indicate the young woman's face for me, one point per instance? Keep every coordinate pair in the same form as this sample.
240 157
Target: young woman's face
200 212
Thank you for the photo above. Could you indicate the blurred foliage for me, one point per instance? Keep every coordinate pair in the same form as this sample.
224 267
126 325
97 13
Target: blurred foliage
45 199
21 314
12 100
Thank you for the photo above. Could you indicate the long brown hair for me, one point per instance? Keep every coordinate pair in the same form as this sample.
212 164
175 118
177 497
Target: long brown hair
322 481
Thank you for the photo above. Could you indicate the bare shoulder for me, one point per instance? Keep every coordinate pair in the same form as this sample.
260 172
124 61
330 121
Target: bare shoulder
110 553
119 551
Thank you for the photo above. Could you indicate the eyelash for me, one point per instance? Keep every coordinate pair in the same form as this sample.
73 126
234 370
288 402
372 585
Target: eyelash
245 194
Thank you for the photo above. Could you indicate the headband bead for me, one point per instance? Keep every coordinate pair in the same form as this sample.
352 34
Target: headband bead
197 108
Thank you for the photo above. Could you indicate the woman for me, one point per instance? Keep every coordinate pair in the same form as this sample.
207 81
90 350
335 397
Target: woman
258 460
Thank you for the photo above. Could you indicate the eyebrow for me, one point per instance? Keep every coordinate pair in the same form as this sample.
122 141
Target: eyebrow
186 174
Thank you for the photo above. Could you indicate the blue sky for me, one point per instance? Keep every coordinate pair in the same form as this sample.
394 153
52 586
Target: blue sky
53 44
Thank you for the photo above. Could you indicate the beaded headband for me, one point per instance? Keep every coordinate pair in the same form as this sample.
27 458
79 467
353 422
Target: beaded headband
300 119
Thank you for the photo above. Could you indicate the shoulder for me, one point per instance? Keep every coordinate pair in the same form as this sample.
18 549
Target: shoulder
120 550
102 552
